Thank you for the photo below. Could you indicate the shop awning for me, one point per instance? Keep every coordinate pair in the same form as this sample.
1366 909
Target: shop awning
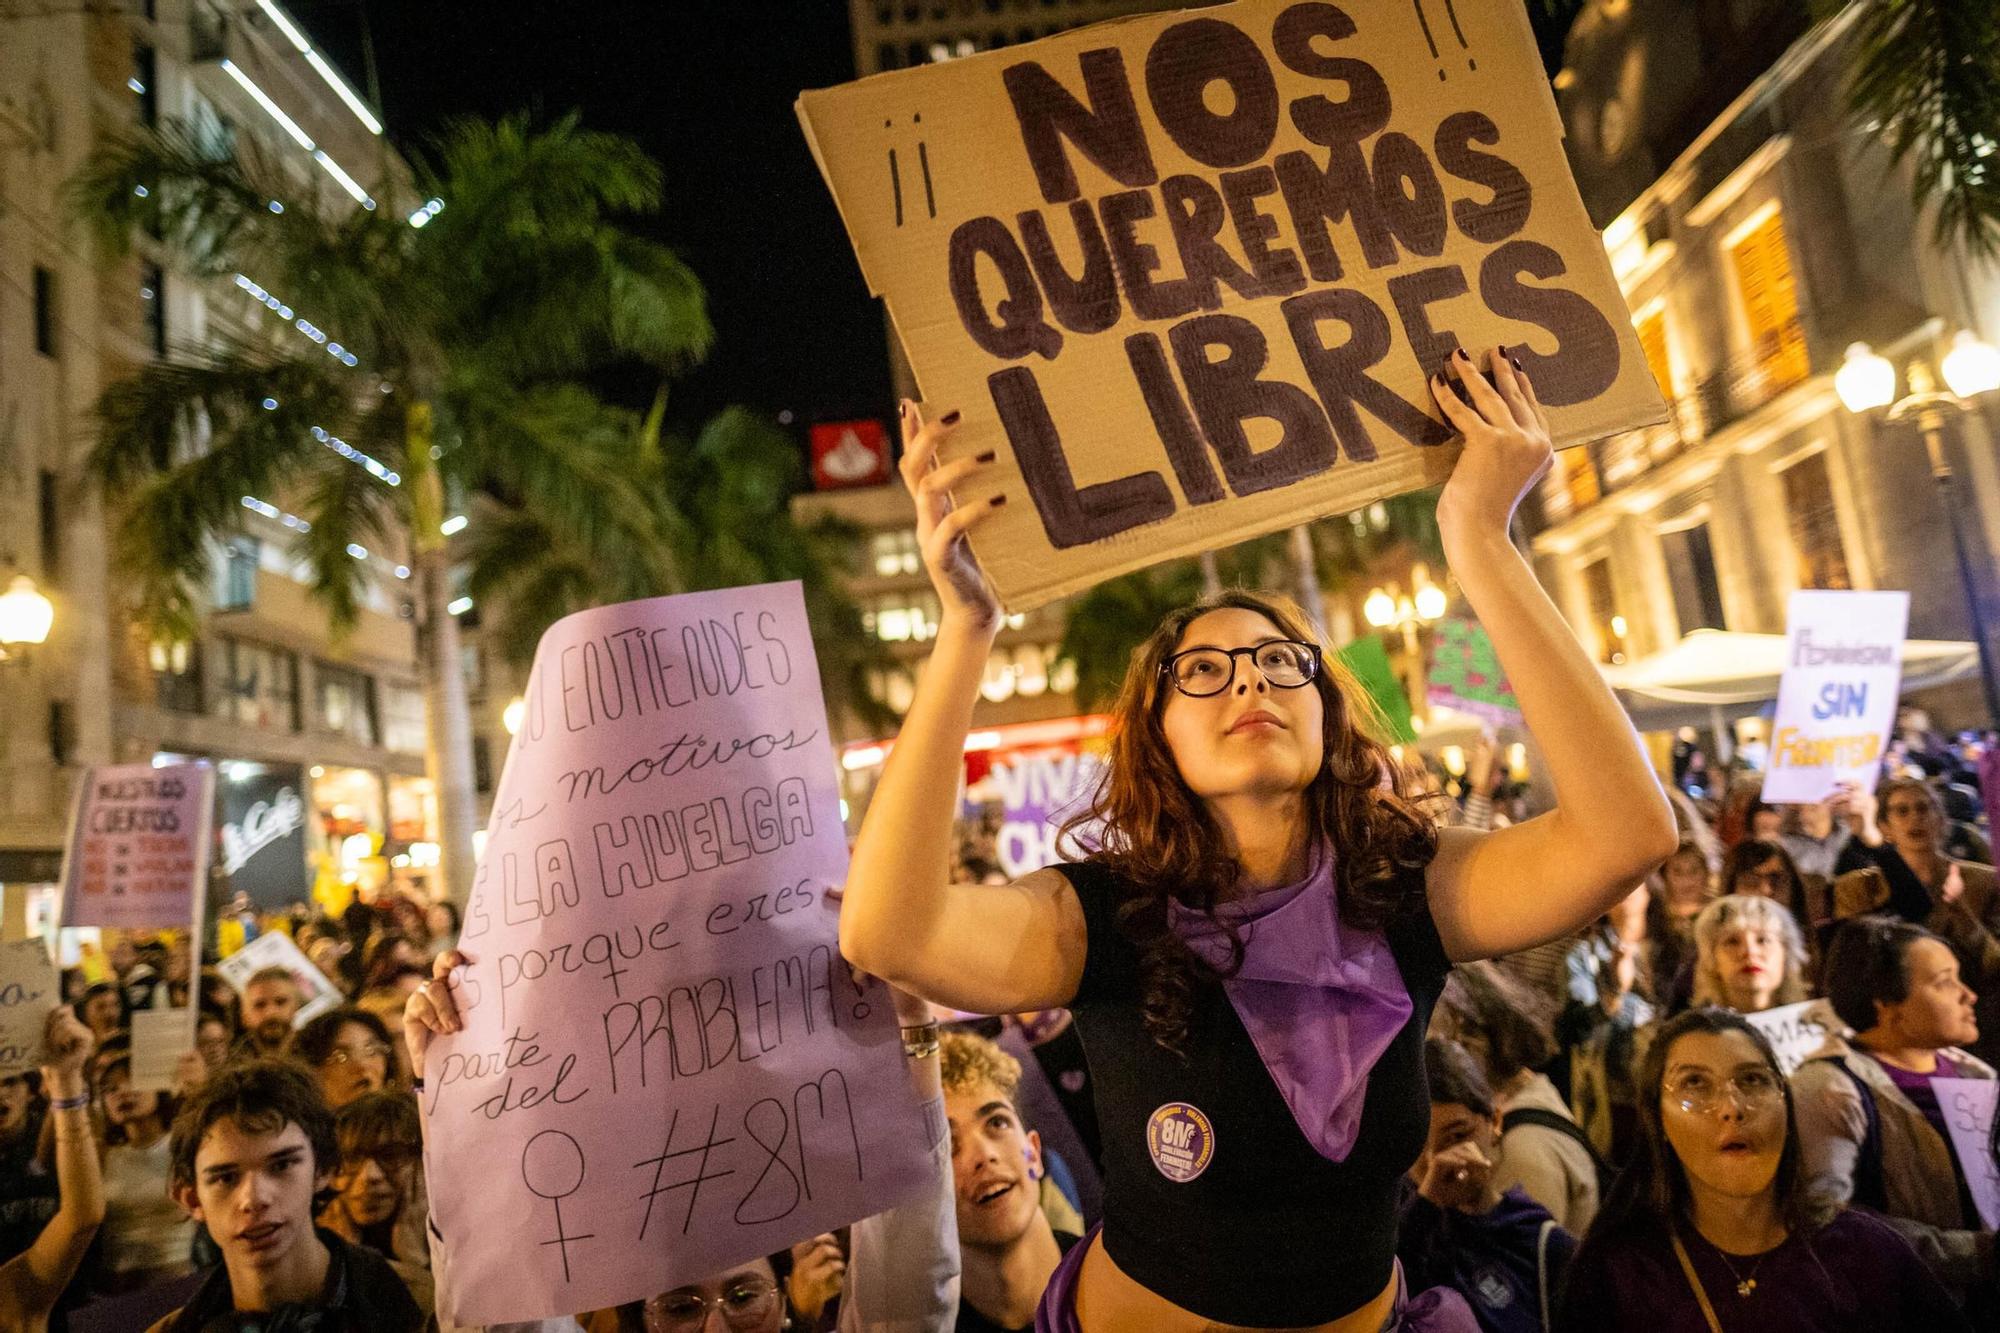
1720 674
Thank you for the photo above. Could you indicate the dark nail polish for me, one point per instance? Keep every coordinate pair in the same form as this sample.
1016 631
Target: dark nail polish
949 419
1460 355
903 408
986 457
1518 367
997 501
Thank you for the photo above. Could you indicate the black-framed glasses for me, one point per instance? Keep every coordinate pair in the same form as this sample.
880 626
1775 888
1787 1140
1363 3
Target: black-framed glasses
745 1306
1202 672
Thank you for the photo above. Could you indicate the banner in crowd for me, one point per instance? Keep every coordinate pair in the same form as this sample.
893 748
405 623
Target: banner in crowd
1968 1105
1041 790
1466 676
666 1067
1190 273
264 835
137 854
28 990
160 1037
1367 660
275 949
1796 1030
1837 699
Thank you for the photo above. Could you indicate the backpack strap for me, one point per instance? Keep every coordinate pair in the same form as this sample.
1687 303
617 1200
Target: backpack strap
1870 1190
1542 1118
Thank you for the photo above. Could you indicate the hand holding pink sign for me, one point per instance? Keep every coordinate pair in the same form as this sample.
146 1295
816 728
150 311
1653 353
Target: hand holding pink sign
650 1054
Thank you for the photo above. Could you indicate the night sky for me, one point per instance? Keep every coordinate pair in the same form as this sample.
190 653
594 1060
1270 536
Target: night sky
706 87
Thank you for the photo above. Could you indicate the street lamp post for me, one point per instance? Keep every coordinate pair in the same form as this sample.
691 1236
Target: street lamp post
1389 609
1866 382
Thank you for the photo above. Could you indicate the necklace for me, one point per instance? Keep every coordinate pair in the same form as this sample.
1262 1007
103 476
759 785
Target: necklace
1744 1285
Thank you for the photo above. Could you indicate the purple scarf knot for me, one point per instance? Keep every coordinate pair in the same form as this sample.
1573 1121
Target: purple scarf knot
1321 1000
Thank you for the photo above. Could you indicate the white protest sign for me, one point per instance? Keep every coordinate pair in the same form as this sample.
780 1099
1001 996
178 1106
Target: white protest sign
1968 1113
138 846
275 949
1837 701
28 990
666 1067
1797 1030
160 1037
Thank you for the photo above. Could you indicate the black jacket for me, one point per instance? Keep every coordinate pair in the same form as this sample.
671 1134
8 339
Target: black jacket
362 1295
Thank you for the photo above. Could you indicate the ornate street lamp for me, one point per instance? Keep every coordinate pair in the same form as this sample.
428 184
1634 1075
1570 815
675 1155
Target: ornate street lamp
1866 382
25 619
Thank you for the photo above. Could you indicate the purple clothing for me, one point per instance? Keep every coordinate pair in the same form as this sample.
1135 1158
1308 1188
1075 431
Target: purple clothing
1439 1310
1854 1275
1321 1000
1917 1087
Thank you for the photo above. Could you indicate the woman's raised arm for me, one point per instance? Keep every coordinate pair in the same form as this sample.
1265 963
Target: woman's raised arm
1502 892
975 947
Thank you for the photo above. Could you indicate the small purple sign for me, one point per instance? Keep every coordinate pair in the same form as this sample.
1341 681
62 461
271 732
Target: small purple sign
1181 1141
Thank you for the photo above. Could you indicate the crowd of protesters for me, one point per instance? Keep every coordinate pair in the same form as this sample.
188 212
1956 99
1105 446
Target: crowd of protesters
1449 1067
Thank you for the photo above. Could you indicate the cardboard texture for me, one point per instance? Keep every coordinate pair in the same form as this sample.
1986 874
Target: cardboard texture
1189 273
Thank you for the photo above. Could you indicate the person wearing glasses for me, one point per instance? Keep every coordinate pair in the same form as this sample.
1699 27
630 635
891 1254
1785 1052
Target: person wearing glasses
1713 1228
376 1186
1253 950
349 1052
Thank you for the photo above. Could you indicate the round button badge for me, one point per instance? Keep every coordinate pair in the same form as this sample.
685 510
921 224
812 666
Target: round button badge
1181 1141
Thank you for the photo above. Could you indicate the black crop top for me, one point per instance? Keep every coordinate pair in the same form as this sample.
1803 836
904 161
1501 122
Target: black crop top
1227 1210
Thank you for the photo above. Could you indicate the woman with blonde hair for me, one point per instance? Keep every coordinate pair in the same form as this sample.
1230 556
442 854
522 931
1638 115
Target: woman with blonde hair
1749 955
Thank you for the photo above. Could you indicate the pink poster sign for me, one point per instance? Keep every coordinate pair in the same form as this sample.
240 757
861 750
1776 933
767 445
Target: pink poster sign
666 1067
138 846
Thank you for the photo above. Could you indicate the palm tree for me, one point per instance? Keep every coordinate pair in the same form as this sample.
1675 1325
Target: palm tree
460 345
1925 76
721 514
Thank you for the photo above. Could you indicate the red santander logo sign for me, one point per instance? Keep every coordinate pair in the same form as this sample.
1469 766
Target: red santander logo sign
849 453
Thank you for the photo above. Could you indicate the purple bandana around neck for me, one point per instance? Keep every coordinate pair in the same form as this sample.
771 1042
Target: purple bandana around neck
1321 1000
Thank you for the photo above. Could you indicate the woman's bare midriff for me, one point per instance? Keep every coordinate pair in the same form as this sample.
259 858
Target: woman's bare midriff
1109 1301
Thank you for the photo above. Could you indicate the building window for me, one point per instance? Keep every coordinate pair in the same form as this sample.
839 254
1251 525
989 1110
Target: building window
894 554
145 82
1691 573
1604 618
45 311
1579 477
48 496
1809 512
153 307
902 617
176 675
1763 268
403 719
894 688
260 686
482 765
346 702
236 584
1652 329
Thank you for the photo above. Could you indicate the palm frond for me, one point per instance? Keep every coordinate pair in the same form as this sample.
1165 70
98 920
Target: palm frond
349 511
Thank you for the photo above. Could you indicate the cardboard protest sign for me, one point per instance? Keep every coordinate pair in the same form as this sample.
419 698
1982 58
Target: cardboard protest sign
276 949
1837 699
1466 675
666 1067
1189 273
1797 1030
1968 1105
160 1037
28 990
138 846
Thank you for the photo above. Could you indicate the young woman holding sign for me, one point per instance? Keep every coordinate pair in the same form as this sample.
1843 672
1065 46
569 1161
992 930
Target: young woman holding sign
1261 1093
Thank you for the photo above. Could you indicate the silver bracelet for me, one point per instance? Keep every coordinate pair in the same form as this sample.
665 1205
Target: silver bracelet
920 1042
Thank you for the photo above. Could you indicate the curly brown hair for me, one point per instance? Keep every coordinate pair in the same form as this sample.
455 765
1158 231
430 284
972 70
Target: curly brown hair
1158 837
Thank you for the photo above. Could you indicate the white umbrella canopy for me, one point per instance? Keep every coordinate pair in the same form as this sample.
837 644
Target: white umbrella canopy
1712 674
